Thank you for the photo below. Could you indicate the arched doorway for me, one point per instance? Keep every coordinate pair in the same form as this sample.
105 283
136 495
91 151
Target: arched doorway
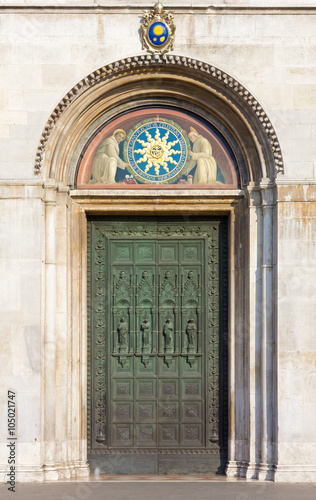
208 94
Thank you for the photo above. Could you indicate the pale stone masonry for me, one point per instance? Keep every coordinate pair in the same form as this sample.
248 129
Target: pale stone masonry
46 49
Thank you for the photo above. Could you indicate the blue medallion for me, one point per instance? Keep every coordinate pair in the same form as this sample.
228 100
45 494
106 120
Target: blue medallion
156 152
158 34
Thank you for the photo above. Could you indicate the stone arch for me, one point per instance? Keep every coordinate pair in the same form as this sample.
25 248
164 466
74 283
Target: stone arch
189 83
252 332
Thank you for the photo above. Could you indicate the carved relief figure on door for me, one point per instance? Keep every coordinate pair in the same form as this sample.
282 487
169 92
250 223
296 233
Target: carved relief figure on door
191 334
145 329
168 335
122 330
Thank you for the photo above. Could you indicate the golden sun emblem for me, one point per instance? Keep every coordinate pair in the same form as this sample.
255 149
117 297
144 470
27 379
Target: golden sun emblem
157 152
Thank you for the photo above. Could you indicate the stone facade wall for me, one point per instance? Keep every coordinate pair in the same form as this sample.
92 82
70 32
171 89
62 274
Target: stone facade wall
45 49
296 315
45 52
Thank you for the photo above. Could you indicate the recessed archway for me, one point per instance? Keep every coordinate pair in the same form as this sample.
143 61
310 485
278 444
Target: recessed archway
220 100
187 82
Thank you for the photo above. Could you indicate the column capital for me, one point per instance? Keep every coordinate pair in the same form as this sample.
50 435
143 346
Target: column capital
254 195
268 191
50 191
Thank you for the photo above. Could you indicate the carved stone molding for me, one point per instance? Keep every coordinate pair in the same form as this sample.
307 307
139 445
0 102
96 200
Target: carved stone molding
112 7
229 87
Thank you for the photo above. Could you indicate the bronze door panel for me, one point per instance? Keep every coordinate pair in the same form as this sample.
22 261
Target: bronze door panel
157 343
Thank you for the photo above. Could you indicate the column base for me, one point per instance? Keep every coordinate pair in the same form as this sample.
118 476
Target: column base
262 472
231 469
78 469
236 469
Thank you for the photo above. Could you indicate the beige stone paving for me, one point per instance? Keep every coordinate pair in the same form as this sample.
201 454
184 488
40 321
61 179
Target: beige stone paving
185 489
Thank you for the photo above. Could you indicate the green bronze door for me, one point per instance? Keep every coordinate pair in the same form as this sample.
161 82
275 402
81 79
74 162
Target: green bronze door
157 383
